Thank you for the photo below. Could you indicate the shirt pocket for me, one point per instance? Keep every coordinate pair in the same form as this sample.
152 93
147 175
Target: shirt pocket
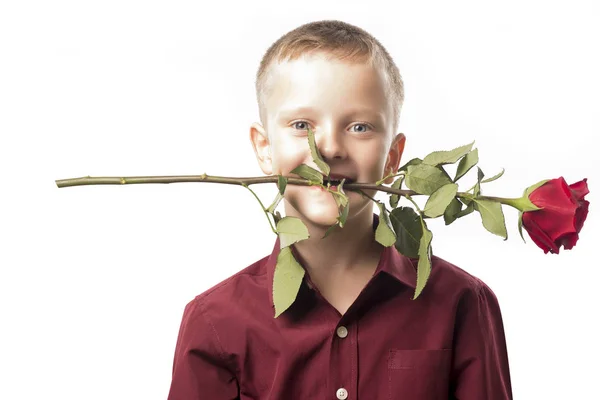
418 374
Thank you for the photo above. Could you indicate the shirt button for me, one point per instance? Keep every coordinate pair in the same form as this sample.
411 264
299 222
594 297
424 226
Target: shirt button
342 394
342 332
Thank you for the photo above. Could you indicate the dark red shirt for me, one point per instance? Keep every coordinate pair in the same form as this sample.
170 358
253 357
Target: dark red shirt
447 344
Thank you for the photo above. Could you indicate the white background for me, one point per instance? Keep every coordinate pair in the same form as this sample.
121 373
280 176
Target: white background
94 279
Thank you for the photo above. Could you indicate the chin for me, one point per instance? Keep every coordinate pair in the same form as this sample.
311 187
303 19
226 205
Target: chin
319 209
321 217
321 214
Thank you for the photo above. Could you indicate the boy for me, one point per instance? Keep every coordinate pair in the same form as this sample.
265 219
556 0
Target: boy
353 331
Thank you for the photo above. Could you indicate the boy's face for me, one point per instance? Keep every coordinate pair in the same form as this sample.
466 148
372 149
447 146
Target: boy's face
347 107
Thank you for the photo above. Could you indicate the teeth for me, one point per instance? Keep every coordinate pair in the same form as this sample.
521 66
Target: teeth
338 181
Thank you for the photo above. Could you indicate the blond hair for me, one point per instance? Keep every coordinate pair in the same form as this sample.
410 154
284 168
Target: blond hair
339 39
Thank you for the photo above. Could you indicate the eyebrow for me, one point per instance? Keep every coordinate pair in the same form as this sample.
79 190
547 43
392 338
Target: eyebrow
288 112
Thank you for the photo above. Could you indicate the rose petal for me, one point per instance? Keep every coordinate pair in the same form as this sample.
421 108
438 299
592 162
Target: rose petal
562 214
579 189
567 240
537 234
552 222
558 208
554 193
581 214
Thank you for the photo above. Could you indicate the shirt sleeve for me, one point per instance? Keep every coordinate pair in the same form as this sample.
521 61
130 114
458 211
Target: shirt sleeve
200 369
480 364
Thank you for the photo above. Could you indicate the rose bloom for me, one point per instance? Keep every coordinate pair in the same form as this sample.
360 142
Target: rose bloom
563 212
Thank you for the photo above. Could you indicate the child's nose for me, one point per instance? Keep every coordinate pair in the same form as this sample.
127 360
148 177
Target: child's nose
330 144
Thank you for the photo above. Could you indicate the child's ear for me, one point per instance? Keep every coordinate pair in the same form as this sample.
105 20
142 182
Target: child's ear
261 146
394 156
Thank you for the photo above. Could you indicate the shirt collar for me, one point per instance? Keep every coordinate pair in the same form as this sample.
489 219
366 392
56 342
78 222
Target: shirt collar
391 262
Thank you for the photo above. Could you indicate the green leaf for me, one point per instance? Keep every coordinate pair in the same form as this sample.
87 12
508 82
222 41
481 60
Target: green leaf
384 234
493 178
380 182
394 198
466 199
291 230
343 215
441 168
466 163
520 225
424 265
329 230
468 210
477 189
341 219
286 281
524 204
281 183
425 179
275 203
414 161
309 173
316 155
276 217
531 188
408 228
439 200
340 187
340 197
451 212
447 157
492 216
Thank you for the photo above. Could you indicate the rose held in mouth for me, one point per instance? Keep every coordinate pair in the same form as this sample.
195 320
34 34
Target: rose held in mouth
563 210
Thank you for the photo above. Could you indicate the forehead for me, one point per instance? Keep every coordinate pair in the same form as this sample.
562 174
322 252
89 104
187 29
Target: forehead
321 82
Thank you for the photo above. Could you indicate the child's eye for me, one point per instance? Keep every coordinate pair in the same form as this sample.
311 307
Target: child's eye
363 130
303 123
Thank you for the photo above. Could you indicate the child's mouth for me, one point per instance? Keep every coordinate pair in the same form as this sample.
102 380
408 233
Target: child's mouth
334 183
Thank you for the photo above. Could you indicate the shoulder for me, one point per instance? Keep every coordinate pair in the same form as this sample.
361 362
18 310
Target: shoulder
222 317
453 275
449 281
253 278
235 296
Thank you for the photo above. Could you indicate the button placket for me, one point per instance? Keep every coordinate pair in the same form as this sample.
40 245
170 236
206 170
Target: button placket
344 360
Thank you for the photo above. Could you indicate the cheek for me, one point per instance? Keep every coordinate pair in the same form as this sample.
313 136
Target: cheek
287 155
375 159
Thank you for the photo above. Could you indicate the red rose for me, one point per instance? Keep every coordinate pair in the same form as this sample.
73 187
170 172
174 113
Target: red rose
563 211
